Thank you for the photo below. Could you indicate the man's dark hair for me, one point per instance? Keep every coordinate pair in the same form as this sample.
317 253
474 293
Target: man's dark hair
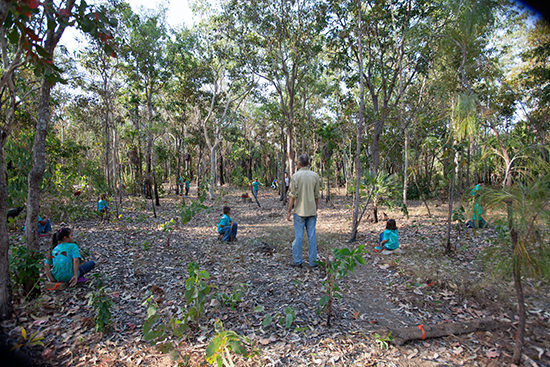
304 160
226 210
390 224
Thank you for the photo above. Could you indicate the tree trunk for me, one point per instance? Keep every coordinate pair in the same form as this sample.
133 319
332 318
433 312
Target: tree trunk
405 164
222 179
421 332
359 136
39 165
5 290
451 197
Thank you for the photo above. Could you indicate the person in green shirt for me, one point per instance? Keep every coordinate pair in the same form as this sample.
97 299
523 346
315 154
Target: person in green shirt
180 185
227 228
478 220
302 206
388 240
64 263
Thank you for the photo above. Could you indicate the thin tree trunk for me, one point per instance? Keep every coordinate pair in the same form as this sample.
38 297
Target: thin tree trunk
451 198
405 164
5 290
359 137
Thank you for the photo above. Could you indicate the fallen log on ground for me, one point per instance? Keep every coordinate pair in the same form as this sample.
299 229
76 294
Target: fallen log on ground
421 332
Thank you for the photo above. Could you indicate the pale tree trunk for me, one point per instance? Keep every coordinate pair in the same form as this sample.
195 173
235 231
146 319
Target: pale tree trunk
359 137
451 197
405 164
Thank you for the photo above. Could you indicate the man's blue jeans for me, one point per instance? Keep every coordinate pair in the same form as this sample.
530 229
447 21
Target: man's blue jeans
229 232
307 223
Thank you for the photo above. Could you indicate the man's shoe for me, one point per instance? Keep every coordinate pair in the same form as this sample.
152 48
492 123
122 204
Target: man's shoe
294 265
312 266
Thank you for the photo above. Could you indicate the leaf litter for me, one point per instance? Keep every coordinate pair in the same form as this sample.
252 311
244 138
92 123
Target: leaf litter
418 285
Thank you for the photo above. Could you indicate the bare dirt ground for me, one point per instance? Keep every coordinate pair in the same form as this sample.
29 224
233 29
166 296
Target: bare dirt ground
420 285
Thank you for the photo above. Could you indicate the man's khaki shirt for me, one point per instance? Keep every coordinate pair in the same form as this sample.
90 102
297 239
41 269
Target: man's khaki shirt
304 188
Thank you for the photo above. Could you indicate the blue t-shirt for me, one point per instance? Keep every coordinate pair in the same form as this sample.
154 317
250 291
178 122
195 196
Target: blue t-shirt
62 261
225 220
186 184
256 186
475 190
101 205
393 239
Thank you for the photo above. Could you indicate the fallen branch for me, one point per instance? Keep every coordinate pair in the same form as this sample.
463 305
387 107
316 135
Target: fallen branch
421 332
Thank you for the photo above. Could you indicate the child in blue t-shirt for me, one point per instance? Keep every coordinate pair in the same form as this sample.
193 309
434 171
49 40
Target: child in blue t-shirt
256 187
227 228
186 187
64 263
388 240
102 206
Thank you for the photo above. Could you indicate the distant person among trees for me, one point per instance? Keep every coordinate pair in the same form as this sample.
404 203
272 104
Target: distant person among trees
287 182
389 239
227 228
180 184
275 184
256 187
102 206
478 220
64 263
304 198
44 226
186 187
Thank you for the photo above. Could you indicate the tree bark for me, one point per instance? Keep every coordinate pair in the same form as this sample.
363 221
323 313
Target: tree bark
421 332
359 136
5 290
39 165
451 198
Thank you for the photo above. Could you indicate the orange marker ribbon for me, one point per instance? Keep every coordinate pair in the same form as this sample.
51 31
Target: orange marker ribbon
421 327
55 287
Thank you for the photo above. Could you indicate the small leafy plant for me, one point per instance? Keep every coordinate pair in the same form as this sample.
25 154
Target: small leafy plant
224 344
25 268
188 212
101 301
234 299
196 290
383 341
345 260
28 340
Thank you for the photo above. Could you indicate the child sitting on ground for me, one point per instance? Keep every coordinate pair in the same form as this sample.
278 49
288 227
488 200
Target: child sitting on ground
66 260
388 240
227 228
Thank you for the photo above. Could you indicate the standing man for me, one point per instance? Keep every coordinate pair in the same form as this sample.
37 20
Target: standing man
304 197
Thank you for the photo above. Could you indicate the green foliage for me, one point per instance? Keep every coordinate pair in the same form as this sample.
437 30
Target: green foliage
386 190
526 204
225 343
101 301
345 260
25 268
196 290
459 216
28 340
234 299
290 316
238 177
383 341
188 212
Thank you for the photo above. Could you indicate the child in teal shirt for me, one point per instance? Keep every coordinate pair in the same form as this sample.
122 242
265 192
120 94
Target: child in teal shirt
388 240
227 228
186 187
256 187
64 264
